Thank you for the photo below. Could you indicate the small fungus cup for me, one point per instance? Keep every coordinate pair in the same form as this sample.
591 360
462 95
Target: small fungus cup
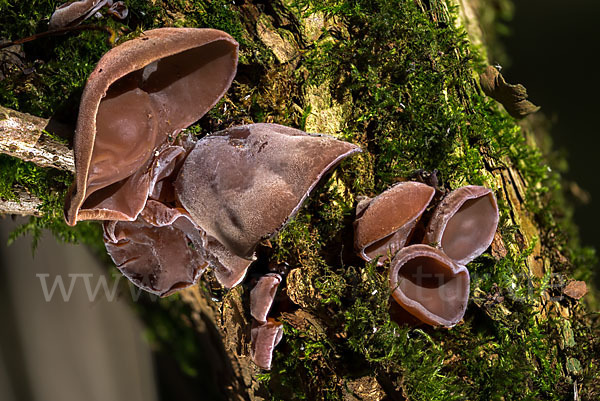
384 224
464 223
429 285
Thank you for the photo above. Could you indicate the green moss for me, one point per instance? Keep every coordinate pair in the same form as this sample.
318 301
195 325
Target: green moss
408 94
415 105
49 186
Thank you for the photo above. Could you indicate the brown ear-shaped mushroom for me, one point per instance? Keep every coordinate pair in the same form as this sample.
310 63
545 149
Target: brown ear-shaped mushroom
464 223
262 295
74 12
170 221
228 268
384 225
140 94
243 184
161 252
264 338
429 285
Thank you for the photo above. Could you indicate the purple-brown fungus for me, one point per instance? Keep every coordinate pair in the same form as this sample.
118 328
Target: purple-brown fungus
264 338
141 94
243 185
262 295
266 332
464 223
75 12
229 269
385 223
163 251
429 285
160 252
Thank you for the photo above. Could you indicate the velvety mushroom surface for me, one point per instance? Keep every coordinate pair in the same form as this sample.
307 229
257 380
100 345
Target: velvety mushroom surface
243 184
429 285
383 226
139 96
264 338
229 269
262 296
73 12
464 223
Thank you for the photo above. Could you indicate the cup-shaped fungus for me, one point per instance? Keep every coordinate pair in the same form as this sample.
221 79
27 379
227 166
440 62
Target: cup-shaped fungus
429 285
464 223
139 96
243 184
384 225
161 252
74 12
262 295
150 251
264 338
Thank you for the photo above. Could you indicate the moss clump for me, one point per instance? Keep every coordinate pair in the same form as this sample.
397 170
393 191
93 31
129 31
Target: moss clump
415 105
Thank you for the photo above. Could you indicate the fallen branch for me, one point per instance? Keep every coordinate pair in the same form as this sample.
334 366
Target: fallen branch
24 136
25 205
60 31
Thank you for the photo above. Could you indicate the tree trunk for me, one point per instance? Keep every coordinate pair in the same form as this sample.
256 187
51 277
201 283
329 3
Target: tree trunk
338 343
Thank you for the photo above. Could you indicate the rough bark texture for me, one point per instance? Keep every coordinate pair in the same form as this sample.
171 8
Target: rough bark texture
25 204
26 137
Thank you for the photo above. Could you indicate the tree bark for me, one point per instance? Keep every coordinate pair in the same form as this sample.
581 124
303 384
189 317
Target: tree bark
26 137
226 324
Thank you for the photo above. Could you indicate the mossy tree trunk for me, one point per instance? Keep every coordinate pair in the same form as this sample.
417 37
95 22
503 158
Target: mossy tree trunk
399 79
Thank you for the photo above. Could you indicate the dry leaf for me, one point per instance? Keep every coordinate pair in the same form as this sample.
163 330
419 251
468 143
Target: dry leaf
575 289
512 97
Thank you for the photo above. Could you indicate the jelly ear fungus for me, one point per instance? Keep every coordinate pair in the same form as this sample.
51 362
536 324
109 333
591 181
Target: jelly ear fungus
464 223
141 94
73 13
262 296
244 184
264 338
429 285
384 224
266 332
160 252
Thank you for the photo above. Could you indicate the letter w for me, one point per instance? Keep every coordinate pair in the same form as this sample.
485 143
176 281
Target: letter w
58 281
110 295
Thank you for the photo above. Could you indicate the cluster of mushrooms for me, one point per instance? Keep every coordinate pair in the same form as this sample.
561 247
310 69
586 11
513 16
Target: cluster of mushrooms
172 206
428 274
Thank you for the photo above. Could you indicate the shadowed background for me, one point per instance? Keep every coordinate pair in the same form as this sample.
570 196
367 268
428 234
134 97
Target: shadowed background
553 49
66 350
